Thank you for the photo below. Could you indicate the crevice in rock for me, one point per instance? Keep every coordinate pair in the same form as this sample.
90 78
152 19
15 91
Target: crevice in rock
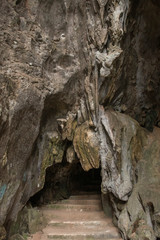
18 2
141 202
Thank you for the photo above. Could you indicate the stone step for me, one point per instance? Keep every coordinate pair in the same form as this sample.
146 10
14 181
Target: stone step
40 236
103 222
80 238
83 225
79 201
75 207
78 218
81 229
84 196
91 236
60 215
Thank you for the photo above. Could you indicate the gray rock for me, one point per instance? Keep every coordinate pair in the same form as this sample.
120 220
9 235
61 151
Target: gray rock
67 63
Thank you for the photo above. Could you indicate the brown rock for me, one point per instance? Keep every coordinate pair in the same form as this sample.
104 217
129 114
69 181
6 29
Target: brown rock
2 233
86 146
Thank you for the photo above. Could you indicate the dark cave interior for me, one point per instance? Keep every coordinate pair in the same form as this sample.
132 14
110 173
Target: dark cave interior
65 179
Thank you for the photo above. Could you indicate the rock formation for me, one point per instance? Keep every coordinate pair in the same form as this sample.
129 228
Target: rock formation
79 81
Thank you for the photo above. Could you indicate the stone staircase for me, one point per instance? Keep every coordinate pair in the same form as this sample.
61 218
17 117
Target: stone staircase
78 218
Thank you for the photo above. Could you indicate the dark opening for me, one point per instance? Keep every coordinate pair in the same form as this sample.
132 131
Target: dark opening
86 181
65 179
18 2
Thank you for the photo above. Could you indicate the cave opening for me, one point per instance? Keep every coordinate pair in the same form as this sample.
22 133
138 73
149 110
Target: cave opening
65 179
18 2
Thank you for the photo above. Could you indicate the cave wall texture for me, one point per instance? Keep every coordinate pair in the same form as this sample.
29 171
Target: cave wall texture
81 78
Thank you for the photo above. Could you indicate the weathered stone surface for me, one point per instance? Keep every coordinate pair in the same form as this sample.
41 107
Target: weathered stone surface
138 218
39 63
29 221
117 132
53 150
142 231
70 155
146 189
129 158
69 127
78 74
2 233
86 145
17 237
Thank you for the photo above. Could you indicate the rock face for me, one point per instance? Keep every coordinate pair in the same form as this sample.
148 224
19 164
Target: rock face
79 81
86 146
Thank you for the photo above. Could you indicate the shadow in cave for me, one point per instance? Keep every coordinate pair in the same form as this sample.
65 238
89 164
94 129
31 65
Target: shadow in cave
66 179
83 181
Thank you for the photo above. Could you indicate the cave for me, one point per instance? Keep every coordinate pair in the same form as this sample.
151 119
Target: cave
63 180
80 87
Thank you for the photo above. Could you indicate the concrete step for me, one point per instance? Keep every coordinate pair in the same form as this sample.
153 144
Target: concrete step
79 201
84 196
103 222
81 238
87 237
73 230
40 236
60 215
79 229
82 225
78 218
75 207
75 236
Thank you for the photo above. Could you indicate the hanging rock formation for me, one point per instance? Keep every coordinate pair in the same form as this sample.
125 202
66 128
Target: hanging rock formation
80 80
86 146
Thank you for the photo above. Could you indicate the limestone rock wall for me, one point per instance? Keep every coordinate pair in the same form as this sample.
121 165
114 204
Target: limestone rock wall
80 79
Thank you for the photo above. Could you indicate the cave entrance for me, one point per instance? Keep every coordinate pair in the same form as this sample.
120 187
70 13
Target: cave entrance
83 181
65 179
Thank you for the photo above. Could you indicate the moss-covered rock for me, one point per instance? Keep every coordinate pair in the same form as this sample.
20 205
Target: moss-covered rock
86 145
20 226
29 221
17 237
35 220
53 153
141 231
69 130
2 233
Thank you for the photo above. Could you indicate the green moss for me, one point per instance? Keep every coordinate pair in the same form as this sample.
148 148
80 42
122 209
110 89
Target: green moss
53 154
36 221
25 236
89 238
57 149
